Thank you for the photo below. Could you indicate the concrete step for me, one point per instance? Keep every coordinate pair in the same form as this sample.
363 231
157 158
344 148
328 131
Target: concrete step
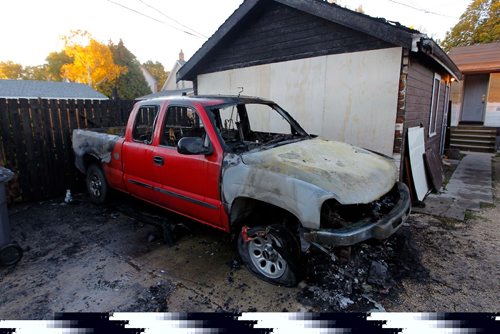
473 136
474 131
473 148
485 143
490 139
473 127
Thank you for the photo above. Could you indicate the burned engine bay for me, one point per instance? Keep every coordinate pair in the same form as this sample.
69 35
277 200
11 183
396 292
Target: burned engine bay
245 127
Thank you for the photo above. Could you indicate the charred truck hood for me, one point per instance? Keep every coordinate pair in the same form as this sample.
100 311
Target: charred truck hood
300 176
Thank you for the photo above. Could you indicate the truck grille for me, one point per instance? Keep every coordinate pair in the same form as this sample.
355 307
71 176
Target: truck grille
335 215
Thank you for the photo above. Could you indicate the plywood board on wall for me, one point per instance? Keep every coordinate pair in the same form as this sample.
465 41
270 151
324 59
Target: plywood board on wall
416 146
349 97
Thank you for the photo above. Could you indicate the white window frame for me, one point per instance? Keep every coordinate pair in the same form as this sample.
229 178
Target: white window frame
434 112
444 124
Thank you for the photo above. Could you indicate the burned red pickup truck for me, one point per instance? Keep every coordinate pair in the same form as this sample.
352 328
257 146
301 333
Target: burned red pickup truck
245 166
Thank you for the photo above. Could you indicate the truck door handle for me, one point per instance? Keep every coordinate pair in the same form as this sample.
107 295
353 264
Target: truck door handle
158 160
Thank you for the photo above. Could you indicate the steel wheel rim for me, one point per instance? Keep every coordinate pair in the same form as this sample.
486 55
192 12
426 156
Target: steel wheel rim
265 258
95 185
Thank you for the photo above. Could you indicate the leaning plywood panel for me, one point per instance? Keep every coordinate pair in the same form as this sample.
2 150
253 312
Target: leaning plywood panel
416 146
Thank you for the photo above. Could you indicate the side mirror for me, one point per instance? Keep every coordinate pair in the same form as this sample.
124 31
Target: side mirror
193 146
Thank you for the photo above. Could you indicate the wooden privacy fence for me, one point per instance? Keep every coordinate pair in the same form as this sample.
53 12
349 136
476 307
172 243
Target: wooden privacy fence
36 141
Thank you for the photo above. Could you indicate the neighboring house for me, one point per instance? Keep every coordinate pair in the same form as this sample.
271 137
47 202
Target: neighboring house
32 89
476 100
171 87
164 93
342 74
171 83
150 79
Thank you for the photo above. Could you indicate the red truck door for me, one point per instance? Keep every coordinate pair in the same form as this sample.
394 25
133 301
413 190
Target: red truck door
137 153
188 184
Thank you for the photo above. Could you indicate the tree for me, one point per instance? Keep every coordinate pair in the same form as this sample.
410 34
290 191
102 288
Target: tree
360 9
130 84
55 61
157 71
480 23
36 73
92 61
10 70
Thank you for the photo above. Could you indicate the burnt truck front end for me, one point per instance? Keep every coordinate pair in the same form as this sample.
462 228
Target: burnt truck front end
340 194
345 225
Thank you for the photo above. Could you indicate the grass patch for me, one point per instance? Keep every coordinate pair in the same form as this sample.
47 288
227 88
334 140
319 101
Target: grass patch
486 205
471 215
449 223
448 172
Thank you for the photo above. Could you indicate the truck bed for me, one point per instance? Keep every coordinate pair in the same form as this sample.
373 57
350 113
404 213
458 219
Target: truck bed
98 143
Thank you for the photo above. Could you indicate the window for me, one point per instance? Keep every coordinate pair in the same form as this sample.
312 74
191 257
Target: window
181 122
433 117
244 127
144 124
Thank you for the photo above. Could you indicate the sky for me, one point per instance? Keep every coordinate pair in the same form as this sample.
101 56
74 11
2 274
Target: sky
158 29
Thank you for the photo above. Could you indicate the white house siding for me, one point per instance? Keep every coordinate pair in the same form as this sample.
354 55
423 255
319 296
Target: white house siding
172 84
492 108
456 102
349 97
492 115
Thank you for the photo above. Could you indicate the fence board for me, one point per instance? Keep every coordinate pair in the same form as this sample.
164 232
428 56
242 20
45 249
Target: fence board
41 145
36 141
47 145
5 134
55 117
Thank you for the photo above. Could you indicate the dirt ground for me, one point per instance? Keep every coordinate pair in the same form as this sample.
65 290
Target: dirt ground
88 258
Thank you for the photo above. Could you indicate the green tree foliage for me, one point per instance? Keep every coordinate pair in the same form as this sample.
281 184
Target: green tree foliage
480 23
157 71
55 61
36 73
50 71
131 84
11 70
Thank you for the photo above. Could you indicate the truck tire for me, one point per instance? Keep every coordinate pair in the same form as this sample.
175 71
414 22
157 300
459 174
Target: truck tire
271 253
10 254
97 186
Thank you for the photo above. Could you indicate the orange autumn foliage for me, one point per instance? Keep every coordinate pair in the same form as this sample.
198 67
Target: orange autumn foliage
92 61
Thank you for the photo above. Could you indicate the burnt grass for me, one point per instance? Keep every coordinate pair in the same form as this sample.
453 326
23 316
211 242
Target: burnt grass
363 275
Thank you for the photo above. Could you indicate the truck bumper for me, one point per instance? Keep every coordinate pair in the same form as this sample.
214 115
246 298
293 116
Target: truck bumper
366 229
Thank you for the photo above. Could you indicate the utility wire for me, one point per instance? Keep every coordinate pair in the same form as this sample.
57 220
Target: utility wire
152 18
421 9
172 19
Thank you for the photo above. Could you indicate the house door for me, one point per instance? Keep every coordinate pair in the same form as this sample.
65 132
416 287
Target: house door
475 89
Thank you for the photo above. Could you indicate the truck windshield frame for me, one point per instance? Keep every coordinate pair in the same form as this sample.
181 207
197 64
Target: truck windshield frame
233 124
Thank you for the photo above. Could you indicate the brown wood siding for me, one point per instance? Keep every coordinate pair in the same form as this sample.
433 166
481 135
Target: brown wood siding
494 89
418 102
279 33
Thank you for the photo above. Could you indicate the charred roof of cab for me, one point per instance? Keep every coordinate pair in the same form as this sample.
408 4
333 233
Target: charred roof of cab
223 99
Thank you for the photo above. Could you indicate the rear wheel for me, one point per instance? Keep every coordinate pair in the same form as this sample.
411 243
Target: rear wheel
271 253
97 185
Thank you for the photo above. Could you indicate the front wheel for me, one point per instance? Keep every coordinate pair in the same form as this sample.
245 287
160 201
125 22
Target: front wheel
97 186
271 253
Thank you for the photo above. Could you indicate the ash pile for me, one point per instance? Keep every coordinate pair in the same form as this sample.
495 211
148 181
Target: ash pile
362 276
